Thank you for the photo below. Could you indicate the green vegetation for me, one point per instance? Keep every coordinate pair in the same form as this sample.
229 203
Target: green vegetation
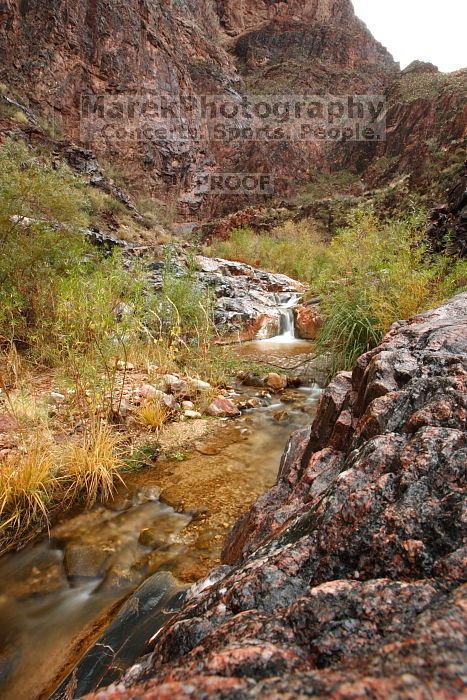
376 273
416 85
294 248
58 295
75 317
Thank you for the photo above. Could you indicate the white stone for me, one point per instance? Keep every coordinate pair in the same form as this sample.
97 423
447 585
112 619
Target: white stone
192 414
199 385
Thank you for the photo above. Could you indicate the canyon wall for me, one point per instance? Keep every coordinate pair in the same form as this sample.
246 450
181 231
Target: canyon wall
64 59
95 72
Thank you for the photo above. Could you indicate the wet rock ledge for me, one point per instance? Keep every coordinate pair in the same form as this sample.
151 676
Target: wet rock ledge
345 579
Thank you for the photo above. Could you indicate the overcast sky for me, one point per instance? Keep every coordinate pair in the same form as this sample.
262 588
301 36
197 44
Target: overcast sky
429 30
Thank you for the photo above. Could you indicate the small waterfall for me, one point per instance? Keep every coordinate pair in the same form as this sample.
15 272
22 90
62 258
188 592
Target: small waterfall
287 325
287 319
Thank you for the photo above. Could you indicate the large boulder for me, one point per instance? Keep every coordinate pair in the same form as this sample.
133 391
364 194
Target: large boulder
246 299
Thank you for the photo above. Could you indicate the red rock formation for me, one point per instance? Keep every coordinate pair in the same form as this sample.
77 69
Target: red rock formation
308 321
347 578
60 56
426 133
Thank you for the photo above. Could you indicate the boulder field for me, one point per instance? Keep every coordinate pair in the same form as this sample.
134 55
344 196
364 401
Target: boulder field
346 579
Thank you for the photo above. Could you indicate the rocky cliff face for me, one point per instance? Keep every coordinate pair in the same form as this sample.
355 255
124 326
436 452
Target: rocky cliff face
346 579
426 133
96 72
62 57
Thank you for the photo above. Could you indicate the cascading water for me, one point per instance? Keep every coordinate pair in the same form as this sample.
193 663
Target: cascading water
287 325
287 319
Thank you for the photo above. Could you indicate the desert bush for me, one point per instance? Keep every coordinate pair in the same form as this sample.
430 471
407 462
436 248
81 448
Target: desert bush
72 312
156 212
101 204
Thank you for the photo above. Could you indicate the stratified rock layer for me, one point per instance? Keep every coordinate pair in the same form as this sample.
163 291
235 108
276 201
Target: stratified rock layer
345 579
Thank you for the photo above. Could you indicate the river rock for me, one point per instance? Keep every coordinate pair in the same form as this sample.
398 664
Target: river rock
175 385
150 606
192 415
199 384
8 423
44 575
170 403
248 379
85 560
149 391
278 382
346 579
57 398
222 407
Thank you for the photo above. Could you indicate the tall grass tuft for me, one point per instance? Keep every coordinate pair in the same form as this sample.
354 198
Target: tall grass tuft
90 470
28 483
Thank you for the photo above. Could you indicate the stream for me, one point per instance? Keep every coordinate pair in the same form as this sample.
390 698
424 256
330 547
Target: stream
161 533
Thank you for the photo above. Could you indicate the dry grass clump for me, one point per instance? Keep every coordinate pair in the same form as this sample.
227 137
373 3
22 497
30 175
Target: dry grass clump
152 415
41 477
28 484
90 469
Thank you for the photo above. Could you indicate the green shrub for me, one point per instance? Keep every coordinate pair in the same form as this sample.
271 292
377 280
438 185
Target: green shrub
42 210
58 296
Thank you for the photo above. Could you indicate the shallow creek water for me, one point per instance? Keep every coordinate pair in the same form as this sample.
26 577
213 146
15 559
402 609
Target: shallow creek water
59 595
